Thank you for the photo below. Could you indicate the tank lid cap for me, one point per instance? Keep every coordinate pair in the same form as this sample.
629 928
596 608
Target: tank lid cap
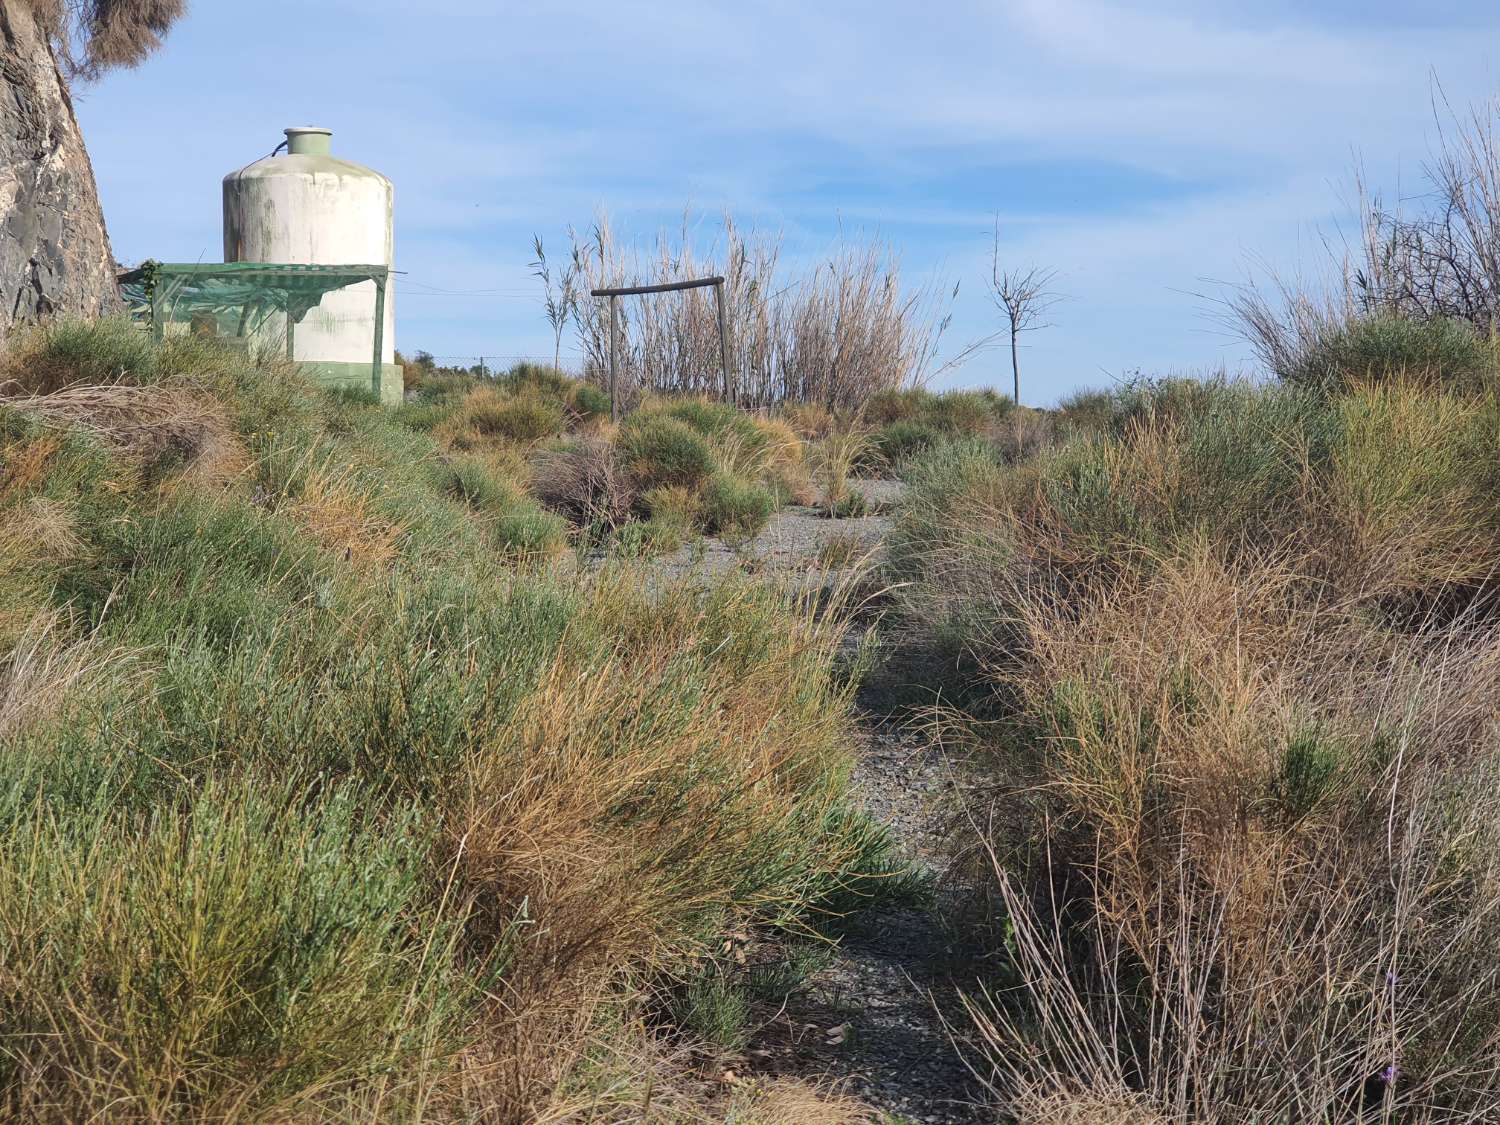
308 140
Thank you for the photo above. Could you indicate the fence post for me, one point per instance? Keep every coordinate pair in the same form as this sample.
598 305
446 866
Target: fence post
614 403
729 389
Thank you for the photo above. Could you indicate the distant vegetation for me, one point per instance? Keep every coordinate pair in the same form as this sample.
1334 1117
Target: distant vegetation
833 334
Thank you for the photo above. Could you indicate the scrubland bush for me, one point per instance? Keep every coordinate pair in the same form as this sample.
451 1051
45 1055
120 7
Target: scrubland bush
1381 348
734 509
314 807
898 442
908 423
659 450
1236 648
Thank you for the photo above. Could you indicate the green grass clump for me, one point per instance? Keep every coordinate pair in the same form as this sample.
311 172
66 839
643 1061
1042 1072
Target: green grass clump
663 451
1440 352
715 1008
852 505
898 442
735 509
588 401
674 514
523 418
526 531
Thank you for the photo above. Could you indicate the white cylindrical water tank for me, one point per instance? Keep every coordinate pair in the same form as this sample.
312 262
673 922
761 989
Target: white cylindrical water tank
308 207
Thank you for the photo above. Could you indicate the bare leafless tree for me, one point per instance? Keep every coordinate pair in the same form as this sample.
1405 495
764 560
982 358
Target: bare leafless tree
1025 296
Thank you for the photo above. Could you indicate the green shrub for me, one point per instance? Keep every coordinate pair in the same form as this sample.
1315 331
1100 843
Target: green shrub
967 413
714 1008
526 531
736 509
708 417
524 418
674 513
659 450
472 482
70 351
898 442
1447 353
278 821
1089 412
852 505
589 401
255 931
538 379
424 416
885 407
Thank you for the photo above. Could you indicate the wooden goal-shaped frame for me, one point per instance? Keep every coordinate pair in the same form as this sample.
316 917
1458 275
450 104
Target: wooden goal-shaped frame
669 287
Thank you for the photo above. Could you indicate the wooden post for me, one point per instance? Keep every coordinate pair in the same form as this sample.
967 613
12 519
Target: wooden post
729 388
665 287
291 334
614 402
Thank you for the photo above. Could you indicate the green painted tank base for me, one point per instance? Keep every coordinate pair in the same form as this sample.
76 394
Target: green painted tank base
360 375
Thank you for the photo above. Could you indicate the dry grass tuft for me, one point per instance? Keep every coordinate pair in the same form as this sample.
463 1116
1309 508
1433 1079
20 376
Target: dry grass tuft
170 426
585 483
339 514
46 668
789 1102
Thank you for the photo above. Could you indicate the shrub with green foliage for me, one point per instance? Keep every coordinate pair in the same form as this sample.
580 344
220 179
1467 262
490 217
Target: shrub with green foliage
1447 353
736 509
588 401
898 442
523 418
658 450
1231 653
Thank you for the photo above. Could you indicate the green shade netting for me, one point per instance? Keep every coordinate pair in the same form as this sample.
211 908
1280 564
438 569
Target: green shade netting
236 298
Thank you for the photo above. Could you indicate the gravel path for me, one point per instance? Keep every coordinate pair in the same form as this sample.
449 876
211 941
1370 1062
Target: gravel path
868 1021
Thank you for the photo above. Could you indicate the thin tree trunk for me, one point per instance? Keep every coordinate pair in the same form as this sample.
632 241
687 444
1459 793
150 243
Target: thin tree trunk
55 256
1015 367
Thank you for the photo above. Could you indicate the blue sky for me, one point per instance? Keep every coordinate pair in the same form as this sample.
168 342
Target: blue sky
1146 150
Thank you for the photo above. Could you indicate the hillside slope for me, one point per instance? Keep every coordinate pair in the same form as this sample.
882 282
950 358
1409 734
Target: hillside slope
326 796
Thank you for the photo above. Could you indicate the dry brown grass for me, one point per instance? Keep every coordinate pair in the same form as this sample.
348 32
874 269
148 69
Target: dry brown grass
169 425
47 667
810 420
584 483
26 465
1253 806
1245 673
834 458
525 835
789 1102
340 515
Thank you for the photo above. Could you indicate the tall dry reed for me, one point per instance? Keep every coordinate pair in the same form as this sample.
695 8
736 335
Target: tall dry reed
835 335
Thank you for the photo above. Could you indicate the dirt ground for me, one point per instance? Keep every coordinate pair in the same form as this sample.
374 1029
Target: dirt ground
869 1020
